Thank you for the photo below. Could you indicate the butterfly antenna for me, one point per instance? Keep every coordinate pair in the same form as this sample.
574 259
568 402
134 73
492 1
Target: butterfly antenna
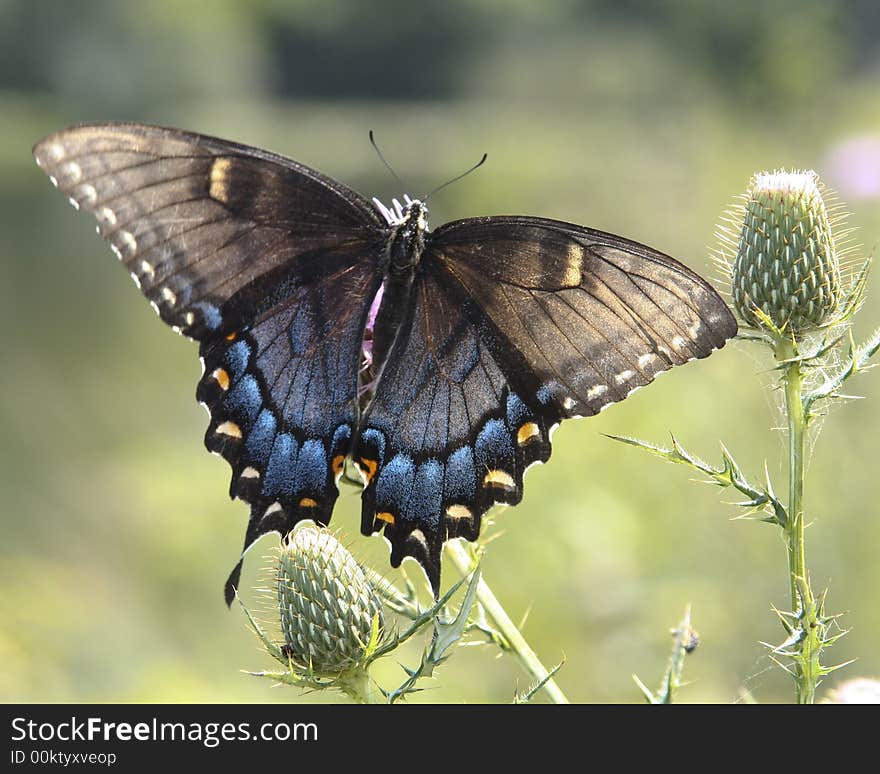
459 177
384 160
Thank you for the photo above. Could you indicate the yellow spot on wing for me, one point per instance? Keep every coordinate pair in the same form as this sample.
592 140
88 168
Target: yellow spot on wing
229 428
459 512
527 432
219 182
574 263
222 378
388 518
500 478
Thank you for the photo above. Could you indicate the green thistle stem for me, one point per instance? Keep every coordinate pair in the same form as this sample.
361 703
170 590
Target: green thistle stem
498 615
357 685
807 667
793 379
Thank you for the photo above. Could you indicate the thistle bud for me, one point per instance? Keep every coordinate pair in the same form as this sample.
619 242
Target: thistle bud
786 264
327 604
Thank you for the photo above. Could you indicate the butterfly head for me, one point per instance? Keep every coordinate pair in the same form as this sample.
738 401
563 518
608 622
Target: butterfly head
409 223
415 217
398 213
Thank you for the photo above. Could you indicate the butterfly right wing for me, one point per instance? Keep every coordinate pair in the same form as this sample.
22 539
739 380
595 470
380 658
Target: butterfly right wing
515 325
445 435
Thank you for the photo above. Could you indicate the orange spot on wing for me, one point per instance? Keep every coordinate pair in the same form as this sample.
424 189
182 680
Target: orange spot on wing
527 432
222 378
371 466
499 478
388 518
229 428
338 464
308 502
232 336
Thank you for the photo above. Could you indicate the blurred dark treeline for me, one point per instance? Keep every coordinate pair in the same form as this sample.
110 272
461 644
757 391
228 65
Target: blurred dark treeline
398 49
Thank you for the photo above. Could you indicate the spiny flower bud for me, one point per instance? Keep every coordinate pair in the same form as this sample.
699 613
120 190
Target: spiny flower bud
786 264
327 604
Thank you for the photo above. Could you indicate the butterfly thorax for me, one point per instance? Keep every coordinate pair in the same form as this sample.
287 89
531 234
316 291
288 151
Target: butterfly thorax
407 239
405 245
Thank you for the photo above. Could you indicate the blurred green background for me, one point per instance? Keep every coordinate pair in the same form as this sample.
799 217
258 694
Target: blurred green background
641 118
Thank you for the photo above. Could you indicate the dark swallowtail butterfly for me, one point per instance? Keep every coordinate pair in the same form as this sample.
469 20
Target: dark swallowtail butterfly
331 328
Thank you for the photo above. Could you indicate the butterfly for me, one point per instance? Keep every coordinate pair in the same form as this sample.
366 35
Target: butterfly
331 328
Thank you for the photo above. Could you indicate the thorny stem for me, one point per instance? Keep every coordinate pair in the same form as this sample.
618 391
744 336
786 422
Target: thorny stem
793 379
497 614
358 688
803 603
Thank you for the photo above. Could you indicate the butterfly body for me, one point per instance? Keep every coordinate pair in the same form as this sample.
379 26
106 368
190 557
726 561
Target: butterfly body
331 328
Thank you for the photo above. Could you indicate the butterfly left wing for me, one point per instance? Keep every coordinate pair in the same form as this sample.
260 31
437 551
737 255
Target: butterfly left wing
209 229
516 324
282 396
270 265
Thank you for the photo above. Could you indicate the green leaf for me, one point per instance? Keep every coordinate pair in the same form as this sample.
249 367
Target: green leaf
446 635
728 475
525 698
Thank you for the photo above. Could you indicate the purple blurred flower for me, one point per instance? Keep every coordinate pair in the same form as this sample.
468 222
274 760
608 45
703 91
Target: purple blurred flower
853 167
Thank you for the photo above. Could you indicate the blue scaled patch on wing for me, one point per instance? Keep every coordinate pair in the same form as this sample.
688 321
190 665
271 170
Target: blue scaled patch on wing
211 317
376 440
517 411
395 482
236 358
460 481
244 399
423 505
549 392
280 476
493 446
341 437
311 467
259 441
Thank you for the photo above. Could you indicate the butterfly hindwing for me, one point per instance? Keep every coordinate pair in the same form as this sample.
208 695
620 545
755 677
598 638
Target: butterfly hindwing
282 395
445 436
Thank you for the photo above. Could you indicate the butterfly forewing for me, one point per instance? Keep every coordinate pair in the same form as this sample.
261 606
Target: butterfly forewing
197 220
603 317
